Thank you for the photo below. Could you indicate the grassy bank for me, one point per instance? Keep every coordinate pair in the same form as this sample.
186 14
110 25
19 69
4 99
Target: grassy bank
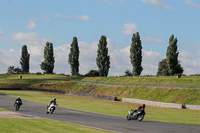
170 95
195 80
42 126
110 107
182 96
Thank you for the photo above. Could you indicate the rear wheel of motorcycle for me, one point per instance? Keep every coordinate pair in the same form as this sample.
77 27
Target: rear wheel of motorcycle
140 117
128 117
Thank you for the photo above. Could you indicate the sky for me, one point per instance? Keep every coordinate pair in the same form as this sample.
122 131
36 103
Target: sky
34 22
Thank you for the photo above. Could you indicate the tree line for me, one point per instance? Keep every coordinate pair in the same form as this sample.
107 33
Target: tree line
168 66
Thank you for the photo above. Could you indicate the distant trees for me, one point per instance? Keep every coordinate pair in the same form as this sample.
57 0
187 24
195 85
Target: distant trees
24 60
128 73
48 64
136 54
13 70
103 59
73 57
170 65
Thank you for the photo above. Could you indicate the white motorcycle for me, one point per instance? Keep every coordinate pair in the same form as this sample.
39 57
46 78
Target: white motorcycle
51 108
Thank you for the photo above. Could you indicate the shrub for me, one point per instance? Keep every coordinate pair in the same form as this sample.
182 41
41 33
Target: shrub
92 73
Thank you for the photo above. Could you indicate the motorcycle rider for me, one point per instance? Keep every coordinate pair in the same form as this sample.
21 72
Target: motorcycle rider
140 108
52 101
18 99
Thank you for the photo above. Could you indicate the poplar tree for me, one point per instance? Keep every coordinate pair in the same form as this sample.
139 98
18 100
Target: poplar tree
48 64
173 64
172 55
136 55
24 60
103 59
73 57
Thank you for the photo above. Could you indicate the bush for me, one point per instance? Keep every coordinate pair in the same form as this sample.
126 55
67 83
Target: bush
38 73
128 73
92 73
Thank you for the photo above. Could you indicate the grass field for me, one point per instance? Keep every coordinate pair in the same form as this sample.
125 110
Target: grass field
2 109
42 126
182 116
195 80
9 125
169 95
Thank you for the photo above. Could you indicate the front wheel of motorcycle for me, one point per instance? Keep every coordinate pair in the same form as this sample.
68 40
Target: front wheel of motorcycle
140 117
16 107
128 117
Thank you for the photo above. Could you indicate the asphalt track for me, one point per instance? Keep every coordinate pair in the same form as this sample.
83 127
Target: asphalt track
99 121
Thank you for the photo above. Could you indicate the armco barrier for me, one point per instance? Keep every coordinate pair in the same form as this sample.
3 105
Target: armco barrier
152 103
194 107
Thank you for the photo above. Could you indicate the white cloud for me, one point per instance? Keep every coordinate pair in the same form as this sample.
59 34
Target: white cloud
150 39
150 62
129 28
189 62
1 33
192 3
157 3
28 38
58 15
31 25
82 17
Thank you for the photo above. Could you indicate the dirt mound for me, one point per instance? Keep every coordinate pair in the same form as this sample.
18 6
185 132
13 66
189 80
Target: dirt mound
10 114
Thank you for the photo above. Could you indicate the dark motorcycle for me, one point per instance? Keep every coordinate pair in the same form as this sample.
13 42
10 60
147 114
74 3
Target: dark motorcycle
17 105
51 108
136 115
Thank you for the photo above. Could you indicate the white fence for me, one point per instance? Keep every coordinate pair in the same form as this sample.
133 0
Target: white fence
153 103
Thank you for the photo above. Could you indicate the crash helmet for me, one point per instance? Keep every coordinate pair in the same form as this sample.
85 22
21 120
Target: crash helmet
143 105
18 97
54 99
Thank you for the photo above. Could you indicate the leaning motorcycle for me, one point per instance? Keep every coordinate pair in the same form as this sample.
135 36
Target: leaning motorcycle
51 108
17 105
136 115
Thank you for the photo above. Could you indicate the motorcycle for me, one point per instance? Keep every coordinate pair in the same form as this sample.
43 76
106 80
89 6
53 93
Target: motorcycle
17 105
51 108
136 115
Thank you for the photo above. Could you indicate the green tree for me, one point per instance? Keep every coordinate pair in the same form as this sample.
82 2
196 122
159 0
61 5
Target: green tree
163 68
48 64
136 54
128 73
73 57
103 59
13 70
24 60
172 57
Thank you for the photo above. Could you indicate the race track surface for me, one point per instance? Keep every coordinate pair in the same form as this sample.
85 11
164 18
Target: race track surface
106 122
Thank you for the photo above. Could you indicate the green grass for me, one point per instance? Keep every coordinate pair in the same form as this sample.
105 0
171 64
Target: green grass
2 109
34 76
181 96
194 80
118 108
42 126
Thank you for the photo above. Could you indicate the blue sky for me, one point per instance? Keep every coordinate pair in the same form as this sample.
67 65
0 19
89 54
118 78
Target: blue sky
33 22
